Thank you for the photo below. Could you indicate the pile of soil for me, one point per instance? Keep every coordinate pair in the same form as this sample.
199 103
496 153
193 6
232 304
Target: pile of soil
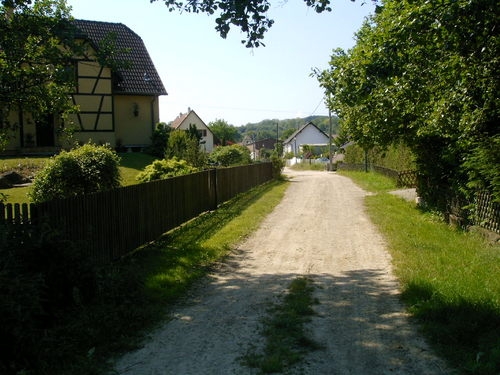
13 179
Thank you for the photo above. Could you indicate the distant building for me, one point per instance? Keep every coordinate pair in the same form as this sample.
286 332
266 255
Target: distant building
256 147
191 118
309 134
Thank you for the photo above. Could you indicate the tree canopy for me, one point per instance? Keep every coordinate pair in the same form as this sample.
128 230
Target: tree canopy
224 132
282 129
426 73
36 49
250 16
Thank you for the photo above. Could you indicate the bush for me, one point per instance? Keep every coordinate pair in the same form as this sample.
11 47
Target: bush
159 140
397 157
178 142
483 166
165 168
278 165
231 155
86 169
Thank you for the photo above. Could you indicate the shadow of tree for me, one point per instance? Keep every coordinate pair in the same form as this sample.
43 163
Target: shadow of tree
359 323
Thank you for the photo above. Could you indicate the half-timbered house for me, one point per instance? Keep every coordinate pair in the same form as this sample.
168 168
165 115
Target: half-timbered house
117 99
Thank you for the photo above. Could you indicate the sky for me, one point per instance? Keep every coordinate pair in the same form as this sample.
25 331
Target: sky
221 78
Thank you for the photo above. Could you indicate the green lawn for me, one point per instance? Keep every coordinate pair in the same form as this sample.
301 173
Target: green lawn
131 164
450 279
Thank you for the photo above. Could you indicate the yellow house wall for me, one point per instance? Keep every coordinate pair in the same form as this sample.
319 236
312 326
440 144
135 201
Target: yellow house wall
132 129
13 142
81 138
103 117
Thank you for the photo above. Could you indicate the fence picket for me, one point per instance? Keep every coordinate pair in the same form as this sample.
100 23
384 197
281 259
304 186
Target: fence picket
109 224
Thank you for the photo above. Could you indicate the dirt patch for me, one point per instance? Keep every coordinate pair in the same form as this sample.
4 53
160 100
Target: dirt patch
409 195
319 230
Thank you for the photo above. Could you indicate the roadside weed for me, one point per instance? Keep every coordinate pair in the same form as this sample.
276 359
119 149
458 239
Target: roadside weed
286 341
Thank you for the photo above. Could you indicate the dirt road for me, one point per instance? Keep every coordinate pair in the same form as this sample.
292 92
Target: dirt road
319 230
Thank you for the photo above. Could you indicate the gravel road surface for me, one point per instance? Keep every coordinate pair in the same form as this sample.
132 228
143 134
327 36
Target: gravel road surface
319 230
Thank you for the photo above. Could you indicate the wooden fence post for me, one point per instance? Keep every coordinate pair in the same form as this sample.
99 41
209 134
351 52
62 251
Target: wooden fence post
212 188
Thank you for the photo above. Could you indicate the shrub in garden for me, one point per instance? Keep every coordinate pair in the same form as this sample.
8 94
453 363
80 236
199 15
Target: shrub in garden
278 164
178 142
165 168
231 155
159 140
86 169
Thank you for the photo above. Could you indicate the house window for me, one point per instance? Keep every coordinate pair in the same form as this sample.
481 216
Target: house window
202 132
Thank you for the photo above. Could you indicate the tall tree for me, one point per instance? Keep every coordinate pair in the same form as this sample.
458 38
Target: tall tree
193 133
224 132
426 73
250 16
36 50
185 145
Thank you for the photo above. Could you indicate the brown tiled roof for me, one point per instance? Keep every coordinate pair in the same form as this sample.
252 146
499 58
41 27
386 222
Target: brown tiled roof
179 120
141 78
268 143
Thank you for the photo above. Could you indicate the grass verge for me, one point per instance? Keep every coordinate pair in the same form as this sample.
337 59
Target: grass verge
309 166
369 181
285 338
135 292
450 280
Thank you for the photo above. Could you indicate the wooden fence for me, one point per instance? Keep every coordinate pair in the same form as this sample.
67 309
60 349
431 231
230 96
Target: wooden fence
112 223
487 213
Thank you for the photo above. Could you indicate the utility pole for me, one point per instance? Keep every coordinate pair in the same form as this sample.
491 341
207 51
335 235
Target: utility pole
330 167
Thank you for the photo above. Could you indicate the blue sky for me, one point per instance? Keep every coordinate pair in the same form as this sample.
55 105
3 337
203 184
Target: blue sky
220 78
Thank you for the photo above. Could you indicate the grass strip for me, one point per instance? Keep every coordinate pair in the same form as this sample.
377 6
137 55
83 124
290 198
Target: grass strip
305 166
286 341
134 293
450 280
370 181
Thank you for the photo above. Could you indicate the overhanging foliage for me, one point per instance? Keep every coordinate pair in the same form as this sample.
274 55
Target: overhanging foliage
425 73
36 51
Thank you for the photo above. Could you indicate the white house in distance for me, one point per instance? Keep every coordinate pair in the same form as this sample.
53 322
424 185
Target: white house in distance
308 134
183 121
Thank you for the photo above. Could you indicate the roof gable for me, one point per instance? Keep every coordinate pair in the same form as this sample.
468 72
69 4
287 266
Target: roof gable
302 128
183 117
141 78
268 143
179 120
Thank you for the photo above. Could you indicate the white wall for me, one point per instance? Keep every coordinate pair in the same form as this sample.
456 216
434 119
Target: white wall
192 118
308 136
